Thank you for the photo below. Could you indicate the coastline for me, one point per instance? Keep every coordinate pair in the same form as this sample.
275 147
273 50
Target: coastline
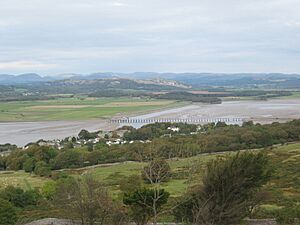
274 110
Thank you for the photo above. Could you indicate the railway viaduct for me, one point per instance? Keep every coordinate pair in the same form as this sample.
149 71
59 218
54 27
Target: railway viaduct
176 120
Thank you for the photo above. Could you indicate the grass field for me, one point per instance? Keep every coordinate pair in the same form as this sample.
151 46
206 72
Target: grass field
294 95
284 186
77 108
283 189
21 179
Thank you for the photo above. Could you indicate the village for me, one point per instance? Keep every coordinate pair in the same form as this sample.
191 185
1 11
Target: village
108 138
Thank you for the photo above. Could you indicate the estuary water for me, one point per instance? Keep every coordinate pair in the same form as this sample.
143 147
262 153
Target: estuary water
21 133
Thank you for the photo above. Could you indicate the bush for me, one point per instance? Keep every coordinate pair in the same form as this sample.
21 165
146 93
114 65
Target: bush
28 165
229 189
42 169
20 198
288 215
141 203
8 213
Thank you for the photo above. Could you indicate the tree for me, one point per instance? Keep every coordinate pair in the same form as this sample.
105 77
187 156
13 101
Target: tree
248 124
20 198
14 160
68 145
95 157
220 124
8 213
42 169
184 210
48 190
87 200
84 134
2 163
28 165
145 204
248 137
41 153
115 134
157 171
229 186
68 159
130 184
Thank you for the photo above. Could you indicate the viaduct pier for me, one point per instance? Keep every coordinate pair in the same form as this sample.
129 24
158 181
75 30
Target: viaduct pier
176 120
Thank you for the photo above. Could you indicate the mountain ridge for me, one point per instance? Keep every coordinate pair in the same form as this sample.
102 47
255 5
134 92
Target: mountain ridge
178 79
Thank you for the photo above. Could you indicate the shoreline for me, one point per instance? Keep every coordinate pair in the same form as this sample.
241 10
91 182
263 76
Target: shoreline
21 133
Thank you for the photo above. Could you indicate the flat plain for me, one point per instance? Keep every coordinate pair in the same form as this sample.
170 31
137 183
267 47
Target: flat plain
77 108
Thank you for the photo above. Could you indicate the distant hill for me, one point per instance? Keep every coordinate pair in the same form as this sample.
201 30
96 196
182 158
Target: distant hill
95 76
95 85
268 80
179 80
271 80
23 78
196 80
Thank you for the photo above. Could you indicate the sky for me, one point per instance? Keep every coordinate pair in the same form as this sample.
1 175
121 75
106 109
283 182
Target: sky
52 37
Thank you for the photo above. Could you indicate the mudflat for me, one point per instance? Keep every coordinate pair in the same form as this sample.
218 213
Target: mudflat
279 110
21 133
259 111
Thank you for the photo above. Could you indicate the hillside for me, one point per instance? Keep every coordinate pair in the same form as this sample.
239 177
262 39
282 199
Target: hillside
283 187
27 78
282 190
80 86
179 80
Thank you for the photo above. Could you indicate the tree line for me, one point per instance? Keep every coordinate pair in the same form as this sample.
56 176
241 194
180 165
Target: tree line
187 96
166 144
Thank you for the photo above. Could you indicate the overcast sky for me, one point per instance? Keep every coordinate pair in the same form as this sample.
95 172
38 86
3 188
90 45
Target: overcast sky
83 36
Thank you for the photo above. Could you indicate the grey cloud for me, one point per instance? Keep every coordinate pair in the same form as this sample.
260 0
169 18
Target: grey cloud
135 35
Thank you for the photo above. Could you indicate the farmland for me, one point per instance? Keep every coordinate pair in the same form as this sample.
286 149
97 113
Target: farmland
294 95
77 108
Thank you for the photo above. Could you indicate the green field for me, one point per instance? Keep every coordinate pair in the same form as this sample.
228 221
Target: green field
77 108
186 172
20 179
294 95
284 187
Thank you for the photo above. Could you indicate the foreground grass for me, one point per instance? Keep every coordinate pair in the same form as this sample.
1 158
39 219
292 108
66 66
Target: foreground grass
20 179
77 108
285 184
284 187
